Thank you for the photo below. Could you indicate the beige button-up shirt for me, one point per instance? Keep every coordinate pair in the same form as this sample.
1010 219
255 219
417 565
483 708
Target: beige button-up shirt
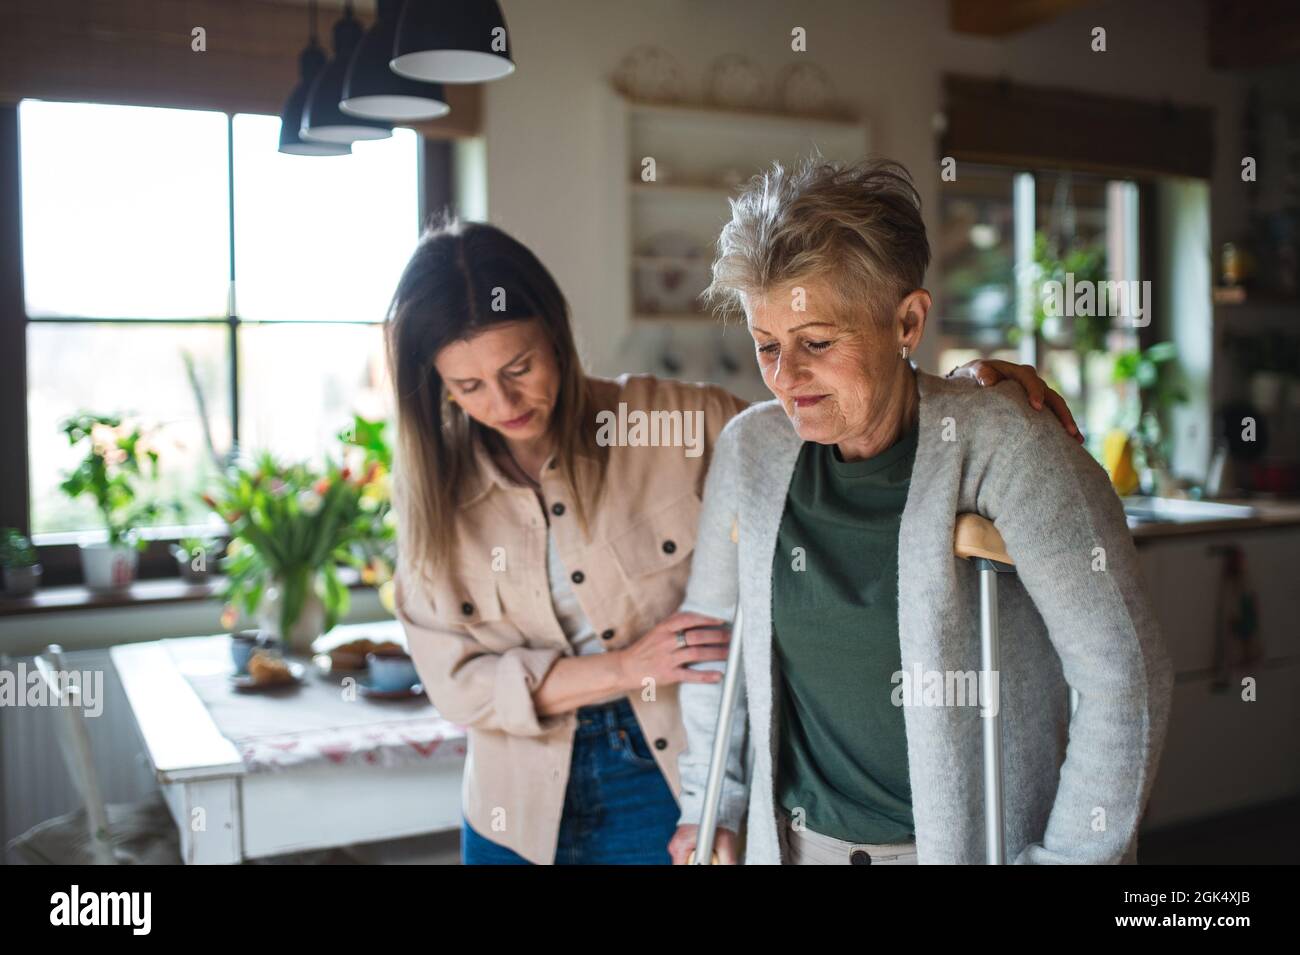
484 636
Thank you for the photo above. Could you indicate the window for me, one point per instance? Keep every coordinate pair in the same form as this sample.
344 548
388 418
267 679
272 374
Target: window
1003 234
179 270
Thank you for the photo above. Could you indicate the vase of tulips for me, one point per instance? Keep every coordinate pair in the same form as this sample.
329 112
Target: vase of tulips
291 527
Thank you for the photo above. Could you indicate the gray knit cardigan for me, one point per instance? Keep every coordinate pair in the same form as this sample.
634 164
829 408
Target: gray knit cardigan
1075 613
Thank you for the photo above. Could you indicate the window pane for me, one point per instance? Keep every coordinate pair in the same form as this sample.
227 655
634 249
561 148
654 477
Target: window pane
301 384
132 370
125 211
977 249
321 238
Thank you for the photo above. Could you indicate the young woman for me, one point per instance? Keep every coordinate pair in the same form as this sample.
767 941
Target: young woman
546 524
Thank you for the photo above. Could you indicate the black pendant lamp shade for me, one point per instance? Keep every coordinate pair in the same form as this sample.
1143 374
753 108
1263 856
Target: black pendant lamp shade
452 41
372 90
322 120
310 63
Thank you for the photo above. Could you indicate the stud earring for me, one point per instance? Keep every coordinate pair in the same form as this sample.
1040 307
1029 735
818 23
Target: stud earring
904 353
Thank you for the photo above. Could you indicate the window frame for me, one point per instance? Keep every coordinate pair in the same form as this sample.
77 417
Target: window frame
1032 349
61 561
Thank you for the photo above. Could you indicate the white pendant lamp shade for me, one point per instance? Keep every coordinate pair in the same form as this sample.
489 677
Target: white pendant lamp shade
452 41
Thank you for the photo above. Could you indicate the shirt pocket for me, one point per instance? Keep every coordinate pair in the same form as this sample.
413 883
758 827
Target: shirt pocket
474 602
659 541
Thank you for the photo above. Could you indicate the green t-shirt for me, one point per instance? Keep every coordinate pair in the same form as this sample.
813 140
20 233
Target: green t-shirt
843 752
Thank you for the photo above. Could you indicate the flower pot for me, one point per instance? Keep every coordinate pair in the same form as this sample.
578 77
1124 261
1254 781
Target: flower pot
21 581
108 566
309 625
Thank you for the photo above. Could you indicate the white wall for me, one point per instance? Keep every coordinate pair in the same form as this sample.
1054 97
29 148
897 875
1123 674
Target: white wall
543 124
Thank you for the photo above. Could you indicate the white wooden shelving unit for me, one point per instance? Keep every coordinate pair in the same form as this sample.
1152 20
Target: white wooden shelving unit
696 150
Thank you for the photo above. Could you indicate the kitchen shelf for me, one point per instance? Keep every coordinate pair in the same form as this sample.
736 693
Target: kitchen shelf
697 150
717 114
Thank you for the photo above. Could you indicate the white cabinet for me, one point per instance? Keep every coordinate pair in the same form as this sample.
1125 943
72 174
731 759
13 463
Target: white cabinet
1224 753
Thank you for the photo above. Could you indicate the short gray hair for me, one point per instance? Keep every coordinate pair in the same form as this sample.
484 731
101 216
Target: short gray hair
857 225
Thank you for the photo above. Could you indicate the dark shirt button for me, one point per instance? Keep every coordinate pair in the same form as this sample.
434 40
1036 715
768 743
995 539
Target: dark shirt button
557 508
467 609
860 857
661 743
577 576
669 547
607 635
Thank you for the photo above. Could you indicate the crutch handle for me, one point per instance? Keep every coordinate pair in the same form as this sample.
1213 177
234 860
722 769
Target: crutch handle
975 536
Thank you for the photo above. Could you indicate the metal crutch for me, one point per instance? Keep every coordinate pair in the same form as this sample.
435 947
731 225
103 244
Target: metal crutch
977 539
718 758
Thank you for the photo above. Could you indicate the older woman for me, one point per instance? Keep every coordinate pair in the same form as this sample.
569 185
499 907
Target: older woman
841 497
542 558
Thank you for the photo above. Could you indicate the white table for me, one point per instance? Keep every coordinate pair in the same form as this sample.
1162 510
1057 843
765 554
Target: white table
226 813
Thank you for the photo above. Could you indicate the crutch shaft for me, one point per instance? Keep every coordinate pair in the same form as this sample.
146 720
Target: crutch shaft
721 744
995 833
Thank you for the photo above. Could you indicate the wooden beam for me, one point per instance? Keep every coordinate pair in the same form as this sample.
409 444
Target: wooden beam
1004 17
138 52
1009 124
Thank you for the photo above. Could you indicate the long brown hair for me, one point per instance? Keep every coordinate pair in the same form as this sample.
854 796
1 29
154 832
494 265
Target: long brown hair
451 289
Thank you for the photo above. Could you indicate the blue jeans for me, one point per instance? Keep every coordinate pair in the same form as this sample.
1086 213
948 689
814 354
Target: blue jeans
618 808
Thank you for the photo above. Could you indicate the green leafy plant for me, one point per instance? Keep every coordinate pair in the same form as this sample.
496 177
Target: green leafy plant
118 457
293 526
1087 263
1155 373
16 550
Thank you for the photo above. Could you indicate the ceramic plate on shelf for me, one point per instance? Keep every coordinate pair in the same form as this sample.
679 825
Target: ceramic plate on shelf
649 73
805 88
734 81
245 681
672 269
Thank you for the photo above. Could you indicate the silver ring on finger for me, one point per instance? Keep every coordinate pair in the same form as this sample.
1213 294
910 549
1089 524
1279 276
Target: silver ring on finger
681 639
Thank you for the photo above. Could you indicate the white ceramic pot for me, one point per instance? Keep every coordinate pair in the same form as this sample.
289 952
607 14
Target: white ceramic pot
108 566
21 581
309 625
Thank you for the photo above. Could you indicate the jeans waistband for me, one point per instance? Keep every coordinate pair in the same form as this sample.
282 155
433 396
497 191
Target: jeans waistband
603 717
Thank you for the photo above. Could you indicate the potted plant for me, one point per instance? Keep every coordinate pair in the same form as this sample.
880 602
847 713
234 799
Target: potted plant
1155 373
22 571
116 460
290 528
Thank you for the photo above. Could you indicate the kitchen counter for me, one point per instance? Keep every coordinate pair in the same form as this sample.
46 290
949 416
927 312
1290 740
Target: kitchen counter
1268 514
